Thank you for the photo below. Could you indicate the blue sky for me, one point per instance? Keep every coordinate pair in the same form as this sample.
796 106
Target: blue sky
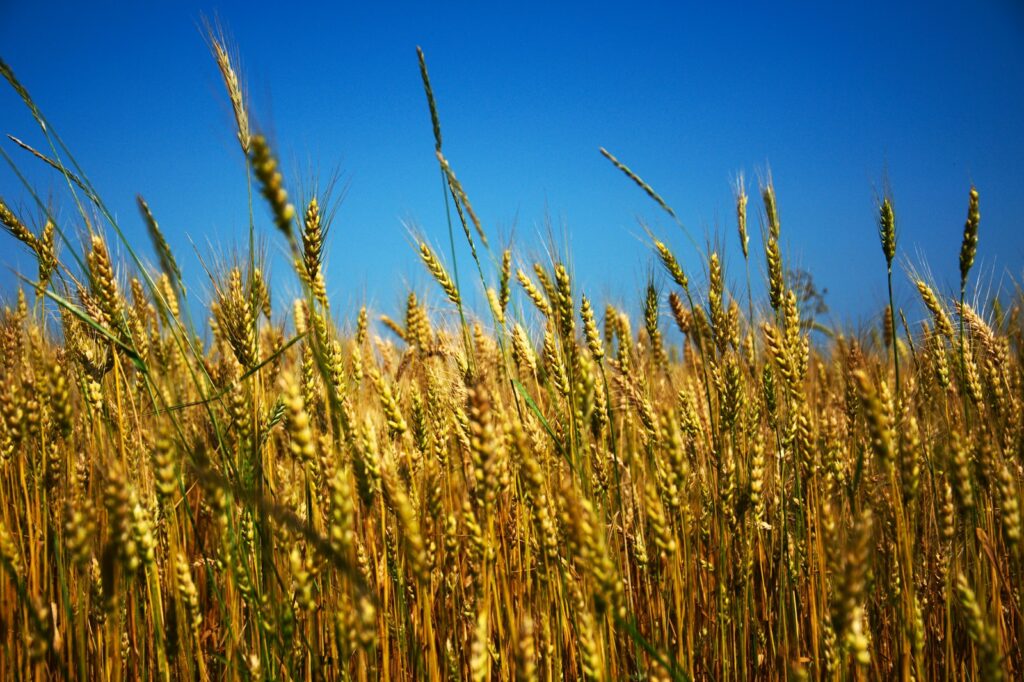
832 99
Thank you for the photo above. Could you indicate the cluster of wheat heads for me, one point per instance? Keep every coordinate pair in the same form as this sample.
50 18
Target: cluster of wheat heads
543 490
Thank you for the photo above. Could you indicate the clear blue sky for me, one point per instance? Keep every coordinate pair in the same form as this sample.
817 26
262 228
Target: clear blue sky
832 99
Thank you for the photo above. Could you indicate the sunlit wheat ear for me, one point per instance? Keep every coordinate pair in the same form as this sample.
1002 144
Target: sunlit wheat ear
394 327
553 363
236 320
773 254
773 258
593 337
312 240
485 447
887 230
297 419
776 347
741 215
460 195
971 380
395 420
980 331
960 460
234 87
104 285
639 182
564 300
756 480
271 182
165 465
417 324
675 271
534 293
771 209
661 531
431 103
931 302
680 314
170 299
42 247
505 287
439 273
522 351
1010 507
46 255
716 287
969 245
59 393
163 250
651 325
546 284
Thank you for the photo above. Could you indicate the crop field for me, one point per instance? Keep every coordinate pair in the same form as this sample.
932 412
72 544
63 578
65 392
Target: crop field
507 478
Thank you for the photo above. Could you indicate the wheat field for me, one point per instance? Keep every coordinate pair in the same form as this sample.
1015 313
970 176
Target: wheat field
535 487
